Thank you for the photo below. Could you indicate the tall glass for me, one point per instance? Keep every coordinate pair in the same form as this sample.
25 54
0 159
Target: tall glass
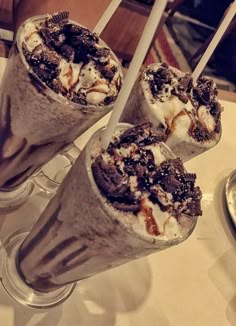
36 123
78 235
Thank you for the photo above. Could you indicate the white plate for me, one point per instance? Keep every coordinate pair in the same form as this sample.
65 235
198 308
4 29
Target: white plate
230 193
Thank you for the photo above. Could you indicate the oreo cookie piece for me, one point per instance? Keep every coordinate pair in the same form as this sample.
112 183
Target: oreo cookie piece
45 73
112 184
67 52
58 18
100 55
205 92
108 178
108 73
199 132
158 79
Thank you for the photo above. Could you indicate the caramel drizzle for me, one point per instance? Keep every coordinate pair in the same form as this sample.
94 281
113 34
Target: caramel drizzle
69 75
151 225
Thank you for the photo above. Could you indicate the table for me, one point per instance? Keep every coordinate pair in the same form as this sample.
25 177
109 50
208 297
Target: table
193 283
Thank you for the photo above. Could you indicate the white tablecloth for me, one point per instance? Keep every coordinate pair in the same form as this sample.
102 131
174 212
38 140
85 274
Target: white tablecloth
193 284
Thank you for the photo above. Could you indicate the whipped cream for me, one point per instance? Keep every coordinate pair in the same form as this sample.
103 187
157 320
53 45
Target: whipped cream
57 53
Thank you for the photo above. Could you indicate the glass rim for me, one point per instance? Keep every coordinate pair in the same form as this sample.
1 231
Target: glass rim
55 96
108 208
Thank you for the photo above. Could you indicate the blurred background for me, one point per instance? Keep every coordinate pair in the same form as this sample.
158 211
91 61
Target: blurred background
182 37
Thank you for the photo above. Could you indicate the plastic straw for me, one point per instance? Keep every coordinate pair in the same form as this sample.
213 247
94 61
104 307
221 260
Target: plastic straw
108 13
214 42
139 55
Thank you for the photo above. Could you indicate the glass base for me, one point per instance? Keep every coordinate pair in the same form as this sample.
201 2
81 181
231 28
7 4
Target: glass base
52 174
17 288
11 200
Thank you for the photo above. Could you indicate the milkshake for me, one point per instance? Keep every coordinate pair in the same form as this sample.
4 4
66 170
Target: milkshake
188 116
60 79
115 205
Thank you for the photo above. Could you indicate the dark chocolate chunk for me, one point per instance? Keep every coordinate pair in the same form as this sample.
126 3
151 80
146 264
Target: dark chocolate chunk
81 32
45 73
194 207
32 59
108 73
83 42
109 99
81 53
73 42
108 178
144 182
67 52
58 39
127 207
100 55
200 133
50 59
79 98
40 55
136 134
205 91
70 29
76 40
170 183
159 136
158 79
141 135
45 33
57 86
112 184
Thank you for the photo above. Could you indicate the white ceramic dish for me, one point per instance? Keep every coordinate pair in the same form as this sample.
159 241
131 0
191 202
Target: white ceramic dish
230 193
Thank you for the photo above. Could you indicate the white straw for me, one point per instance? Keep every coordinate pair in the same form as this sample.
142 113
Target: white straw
108 13
214 42
139 55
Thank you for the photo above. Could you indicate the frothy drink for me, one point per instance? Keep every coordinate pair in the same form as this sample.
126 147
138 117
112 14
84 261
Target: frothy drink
60 79
114 206
187 115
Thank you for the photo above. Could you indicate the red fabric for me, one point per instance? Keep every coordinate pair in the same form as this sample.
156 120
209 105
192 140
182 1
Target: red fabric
149 59
166 49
